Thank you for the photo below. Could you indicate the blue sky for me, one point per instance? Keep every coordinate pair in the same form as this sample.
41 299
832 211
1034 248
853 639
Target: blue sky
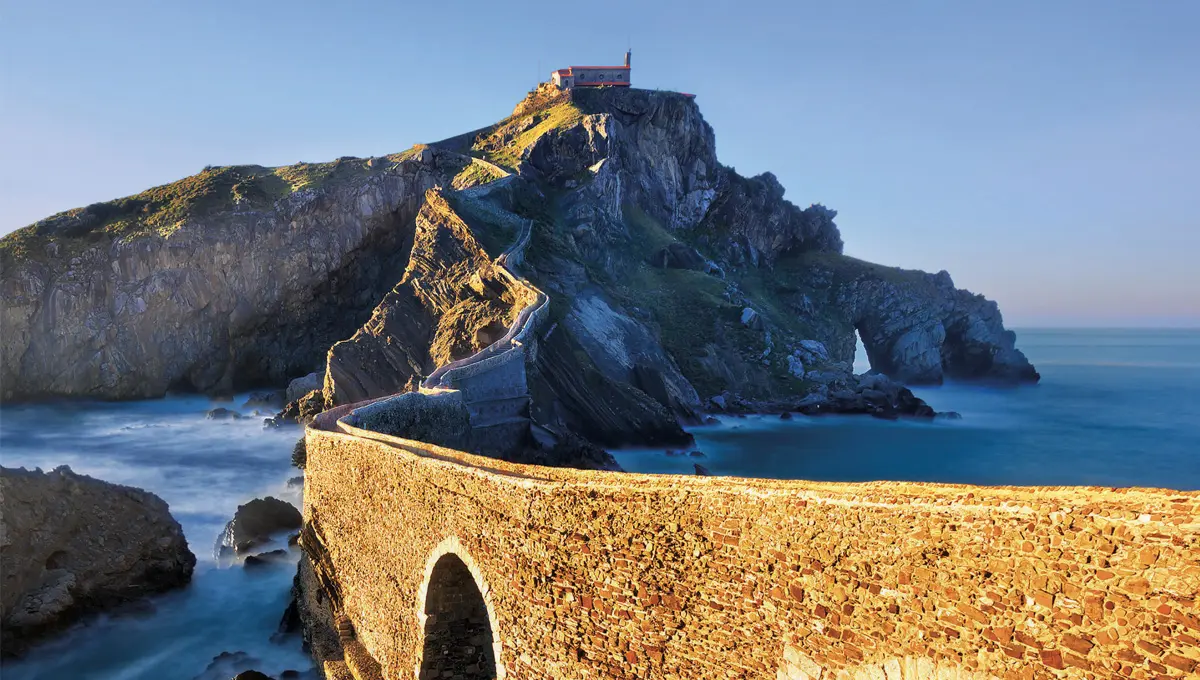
1046 154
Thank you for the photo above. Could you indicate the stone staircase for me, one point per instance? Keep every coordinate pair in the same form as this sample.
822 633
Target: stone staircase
493 380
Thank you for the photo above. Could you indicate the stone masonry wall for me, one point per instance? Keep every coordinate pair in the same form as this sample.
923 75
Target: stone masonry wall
596 574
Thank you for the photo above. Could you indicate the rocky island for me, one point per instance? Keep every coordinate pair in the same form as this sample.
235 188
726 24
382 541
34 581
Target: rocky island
582 274
71 546
674 284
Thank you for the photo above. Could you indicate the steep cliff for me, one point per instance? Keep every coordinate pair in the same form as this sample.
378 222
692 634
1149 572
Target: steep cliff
234 277
449 304
672 279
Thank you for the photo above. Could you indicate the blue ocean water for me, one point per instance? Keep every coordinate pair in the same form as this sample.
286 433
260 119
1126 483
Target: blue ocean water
1114 408
204 469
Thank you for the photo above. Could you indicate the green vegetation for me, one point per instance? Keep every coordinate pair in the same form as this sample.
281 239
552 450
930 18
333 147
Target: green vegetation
647 235
847 269
163 209
473 175
505 143
692 315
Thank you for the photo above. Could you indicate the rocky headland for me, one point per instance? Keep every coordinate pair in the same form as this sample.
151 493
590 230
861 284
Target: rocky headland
73 546
675 285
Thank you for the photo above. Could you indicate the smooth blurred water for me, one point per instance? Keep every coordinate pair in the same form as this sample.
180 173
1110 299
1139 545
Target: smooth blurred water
1114 408
204 469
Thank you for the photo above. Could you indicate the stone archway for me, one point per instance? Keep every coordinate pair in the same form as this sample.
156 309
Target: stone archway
458 623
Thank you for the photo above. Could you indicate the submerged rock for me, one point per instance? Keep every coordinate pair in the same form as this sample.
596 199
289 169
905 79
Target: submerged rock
74 545
227 665
222 413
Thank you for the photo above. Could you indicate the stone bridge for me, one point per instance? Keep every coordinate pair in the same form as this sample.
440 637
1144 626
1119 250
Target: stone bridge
428 562
446 564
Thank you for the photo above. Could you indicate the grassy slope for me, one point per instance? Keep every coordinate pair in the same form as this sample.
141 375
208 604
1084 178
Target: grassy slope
504 143
162 210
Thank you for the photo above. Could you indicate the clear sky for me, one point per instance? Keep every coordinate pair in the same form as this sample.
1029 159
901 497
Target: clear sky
1047 154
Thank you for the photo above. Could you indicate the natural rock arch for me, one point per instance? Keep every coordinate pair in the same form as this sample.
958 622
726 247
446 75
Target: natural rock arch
457 619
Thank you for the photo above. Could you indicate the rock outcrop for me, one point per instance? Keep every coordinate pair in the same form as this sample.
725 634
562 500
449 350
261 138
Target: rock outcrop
254 523
671 279
73 545
916 327
235 277
449 304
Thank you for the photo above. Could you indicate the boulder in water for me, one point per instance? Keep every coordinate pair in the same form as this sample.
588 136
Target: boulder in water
222 414
254 522
74 545
302 410
265 559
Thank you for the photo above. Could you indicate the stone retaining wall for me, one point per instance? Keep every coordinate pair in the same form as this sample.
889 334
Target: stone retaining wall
595 574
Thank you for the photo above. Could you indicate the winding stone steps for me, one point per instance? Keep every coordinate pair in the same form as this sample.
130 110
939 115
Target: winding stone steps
493 380
492 383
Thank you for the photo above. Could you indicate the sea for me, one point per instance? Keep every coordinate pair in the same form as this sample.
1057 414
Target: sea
1115 407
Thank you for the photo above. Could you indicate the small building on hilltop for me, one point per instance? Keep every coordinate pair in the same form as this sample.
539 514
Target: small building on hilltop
592 76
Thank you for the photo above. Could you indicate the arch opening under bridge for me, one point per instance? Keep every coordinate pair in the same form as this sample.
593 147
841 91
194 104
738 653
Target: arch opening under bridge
459 639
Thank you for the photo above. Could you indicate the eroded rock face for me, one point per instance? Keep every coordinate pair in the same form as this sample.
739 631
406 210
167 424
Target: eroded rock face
920 329
449 304
73 545
571 394
617 344
238 296
671 279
